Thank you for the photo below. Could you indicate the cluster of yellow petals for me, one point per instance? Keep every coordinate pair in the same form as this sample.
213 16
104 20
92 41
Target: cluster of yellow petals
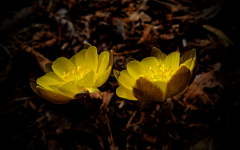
83 73
156 78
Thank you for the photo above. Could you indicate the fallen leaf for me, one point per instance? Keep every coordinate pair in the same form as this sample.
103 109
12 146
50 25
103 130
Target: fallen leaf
223 38
145 35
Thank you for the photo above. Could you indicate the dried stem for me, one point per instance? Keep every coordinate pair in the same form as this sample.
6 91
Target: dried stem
104 135
109 129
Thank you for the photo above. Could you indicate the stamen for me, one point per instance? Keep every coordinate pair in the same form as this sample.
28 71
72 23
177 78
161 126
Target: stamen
162 73
76 73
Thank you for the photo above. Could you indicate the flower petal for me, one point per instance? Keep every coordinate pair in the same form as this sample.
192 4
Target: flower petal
103 62
193 64
125 93
186 56
146 91
53 97
116 73
87 45
157 53
150 62
126 80
80 58
48 67
69 88
49 78
87 80
73 60
33 87
172 60
188 63
181 93
63 65
91 58
135 69
179 81
103 78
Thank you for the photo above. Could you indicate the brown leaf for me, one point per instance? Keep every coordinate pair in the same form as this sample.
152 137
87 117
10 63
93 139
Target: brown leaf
167 36
140 15
196 92
41 60
145 35
223 38
106 96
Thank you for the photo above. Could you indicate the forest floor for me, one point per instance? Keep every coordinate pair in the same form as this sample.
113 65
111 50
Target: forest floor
33 33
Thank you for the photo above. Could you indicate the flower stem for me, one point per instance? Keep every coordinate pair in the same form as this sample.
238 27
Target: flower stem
164 112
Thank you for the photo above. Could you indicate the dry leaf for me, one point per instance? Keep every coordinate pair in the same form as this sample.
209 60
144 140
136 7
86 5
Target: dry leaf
224 39
39 57
145 35
140 15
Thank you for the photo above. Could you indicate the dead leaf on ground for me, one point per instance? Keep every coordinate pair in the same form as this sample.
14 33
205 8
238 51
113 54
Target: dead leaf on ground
140 15
166 36
145 35
41 60
223 38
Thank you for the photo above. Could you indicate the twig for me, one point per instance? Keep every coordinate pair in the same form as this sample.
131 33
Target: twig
131 118
104 135
128 52
109 129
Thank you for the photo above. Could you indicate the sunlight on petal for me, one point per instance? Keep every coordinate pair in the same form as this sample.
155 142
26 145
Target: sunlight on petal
125 93
73 60
126 80
91 58
69 88
103 78
193 63
62 65
53 97
150 63
103 62
87 80
48 79
172 60
80 58
188 63
135 69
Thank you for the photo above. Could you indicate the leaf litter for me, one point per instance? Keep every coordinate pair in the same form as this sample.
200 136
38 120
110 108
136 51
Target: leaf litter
201 118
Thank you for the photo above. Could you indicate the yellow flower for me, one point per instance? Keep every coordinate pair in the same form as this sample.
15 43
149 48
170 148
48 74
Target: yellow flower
156 78
82 73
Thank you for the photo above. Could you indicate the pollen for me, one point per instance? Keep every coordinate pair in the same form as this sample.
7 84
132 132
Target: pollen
162 73
76 73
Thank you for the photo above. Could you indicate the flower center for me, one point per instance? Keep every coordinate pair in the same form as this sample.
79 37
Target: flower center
76 73
162 73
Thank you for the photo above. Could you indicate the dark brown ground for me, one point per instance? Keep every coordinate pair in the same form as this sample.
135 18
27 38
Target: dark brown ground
32 33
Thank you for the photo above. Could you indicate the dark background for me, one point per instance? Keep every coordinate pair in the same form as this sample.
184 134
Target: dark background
32 33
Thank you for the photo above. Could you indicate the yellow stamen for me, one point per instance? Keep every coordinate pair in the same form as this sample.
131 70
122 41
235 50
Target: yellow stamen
162 73
76 73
